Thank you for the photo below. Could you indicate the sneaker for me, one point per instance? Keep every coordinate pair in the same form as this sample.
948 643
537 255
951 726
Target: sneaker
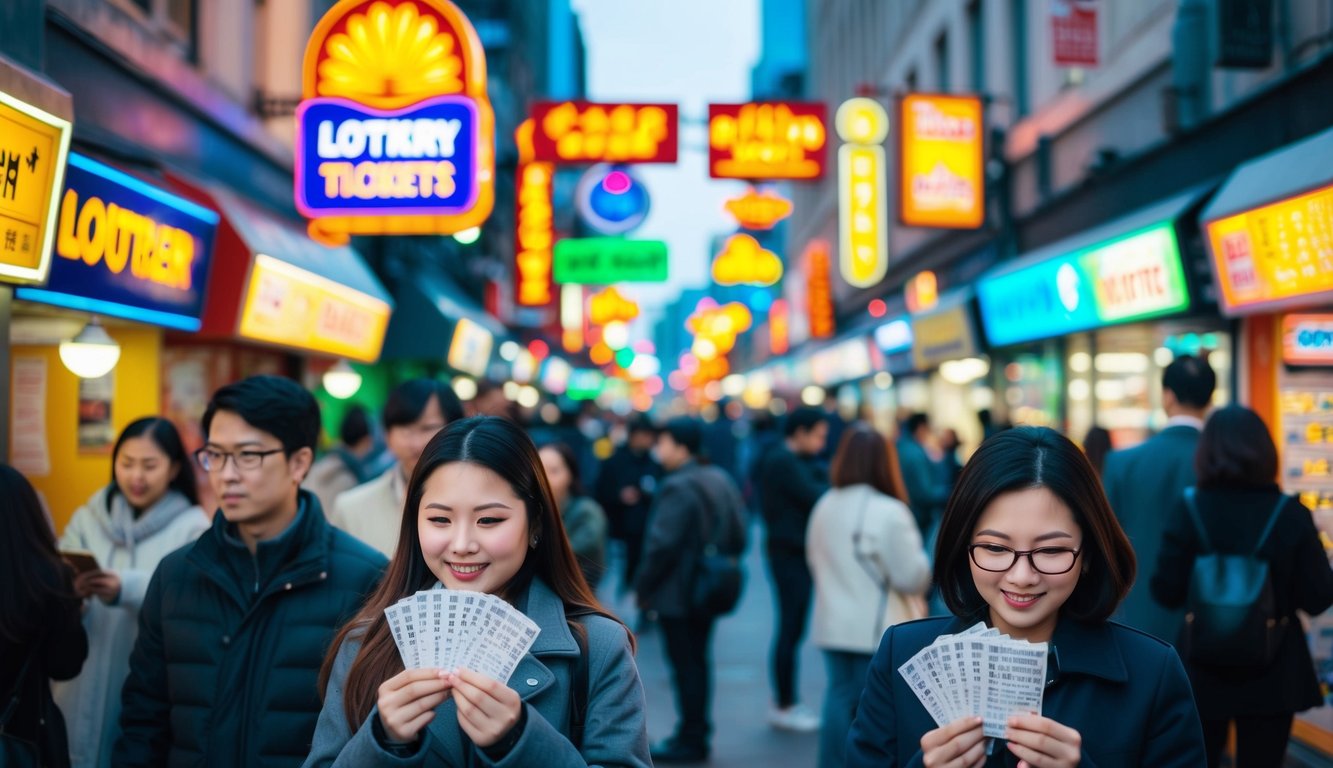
794 718
671 750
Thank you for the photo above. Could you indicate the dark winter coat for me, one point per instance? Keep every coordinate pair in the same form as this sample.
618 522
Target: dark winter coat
693 500
1125 692
224 671
1301 578
789 486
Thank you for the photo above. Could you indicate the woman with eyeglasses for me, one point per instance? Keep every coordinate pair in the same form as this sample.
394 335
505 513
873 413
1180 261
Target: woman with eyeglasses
148 510
1029 545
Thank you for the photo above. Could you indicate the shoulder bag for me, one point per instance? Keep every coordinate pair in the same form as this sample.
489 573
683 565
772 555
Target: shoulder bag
717 578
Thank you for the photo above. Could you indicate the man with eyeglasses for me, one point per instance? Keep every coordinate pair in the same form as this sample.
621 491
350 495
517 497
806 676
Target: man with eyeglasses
234 626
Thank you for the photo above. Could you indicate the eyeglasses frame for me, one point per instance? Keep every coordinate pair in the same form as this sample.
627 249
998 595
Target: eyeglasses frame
972 554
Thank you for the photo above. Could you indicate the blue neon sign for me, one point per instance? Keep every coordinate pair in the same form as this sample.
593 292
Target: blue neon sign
128 249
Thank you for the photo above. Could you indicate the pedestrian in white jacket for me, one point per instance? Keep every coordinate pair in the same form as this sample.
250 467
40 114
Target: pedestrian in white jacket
869 567
149 510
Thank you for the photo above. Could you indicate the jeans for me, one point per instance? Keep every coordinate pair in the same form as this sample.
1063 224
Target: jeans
1261 740
688 645
846 679
791 580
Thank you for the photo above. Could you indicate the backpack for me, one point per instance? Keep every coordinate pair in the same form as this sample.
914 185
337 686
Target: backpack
1231 619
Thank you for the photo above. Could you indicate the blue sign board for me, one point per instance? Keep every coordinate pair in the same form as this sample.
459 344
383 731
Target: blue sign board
420 160
1048 299
128 249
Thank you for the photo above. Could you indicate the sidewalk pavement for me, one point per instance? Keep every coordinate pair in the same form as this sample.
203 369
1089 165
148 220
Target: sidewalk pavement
742 694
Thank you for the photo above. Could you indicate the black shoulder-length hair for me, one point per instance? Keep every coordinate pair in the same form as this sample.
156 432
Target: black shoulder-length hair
1235 450
1035 457
31 569
164 435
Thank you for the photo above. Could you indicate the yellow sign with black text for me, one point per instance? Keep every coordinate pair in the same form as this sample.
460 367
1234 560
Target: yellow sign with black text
33 148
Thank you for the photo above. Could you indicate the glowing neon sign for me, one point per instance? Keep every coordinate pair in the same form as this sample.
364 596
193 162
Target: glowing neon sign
744 262
759 210
33 146
396 133
777 140
940 159
818 289
583 132
863 234
535 225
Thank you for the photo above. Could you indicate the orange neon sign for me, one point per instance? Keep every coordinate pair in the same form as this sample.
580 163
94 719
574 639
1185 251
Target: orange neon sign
818 290
758 210
1276 254
767 140
535 227
395 133
922 292
584 132
779 335
609 306
940 147
743 261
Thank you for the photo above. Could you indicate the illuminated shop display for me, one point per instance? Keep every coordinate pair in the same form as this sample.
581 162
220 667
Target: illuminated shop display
940 145
33 148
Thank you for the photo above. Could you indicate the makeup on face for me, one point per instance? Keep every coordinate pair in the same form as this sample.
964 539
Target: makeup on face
472 526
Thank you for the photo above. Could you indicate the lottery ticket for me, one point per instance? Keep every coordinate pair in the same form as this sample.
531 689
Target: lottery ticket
452 629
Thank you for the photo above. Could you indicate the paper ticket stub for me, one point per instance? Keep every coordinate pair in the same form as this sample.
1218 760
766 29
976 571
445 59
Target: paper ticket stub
453 629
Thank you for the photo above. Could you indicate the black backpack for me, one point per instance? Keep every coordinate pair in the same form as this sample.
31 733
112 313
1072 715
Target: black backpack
1231 619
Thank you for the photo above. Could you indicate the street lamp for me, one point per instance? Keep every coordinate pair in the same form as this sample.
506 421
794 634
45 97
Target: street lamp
92 353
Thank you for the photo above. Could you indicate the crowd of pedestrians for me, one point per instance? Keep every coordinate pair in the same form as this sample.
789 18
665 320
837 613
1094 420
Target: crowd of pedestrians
255 634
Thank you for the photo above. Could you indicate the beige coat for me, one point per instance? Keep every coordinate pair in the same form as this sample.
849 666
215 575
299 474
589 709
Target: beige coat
373 511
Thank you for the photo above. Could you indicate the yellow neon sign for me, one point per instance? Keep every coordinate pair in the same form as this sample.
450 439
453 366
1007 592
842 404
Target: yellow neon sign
863 240
34 145
744 262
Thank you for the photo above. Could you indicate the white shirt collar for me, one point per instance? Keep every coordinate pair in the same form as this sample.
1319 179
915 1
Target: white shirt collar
1185 421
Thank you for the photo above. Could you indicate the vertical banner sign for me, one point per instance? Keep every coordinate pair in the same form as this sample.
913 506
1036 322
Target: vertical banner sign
819 292
535 235
33 147
940 148
863 237
769 140
779 340
395 135
1074 32
580 132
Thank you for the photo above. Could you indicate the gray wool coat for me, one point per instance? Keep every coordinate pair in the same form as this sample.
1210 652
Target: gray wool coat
615 732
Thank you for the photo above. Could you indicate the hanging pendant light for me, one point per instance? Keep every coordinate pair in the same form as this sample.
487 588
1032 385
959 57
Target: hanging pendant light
92 353
341 380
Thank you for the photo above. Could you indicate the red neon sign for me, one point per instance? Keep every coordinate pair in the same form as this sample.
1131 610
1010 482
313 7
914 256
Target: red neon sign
534 226
584 132
768 140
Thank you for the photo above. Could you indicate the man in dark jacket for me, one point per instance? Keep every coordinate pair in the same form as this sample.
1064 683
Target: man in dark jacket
692 502
625 489
234 627
1144 484
791 480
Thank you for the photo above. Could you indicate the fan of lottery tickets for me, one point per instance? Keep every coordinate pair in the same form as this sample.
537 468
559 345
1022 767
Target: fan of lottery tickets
453 629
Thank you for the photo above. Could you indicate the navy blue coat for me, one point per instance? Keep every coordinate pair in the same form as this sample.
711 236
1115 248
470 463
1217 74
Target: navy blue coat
224 671
1125 692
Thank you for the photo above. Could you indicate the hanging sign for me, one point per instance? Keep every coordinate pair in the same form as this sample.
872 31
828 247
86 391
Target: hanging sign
609 306
581 132
743 261
922 292
128 249
1307 340
863 233
535 225
756 210
1074 32
33 147
606 260
940 145
470 348
611 200
768 140
818 289
395 135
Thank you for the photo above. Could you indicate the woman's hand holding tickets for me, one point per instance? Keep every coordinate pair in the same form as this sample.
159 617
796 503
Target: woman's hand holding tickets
407 702
1040 742
959 744
487 709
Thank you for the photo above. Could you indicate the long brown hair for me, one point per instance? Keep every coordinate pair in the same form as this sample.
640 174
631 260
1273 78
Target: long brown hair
504 448
864 456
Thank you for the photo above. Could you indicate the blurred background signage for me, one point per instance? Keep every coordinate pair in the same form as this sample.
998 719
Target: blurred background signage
1074 32
743 261
606 260
584 132
863 233
767 140
534 223
1245 33
611 200
818 289
758 210
33 146
940 143
922 292
1129 278
609 306
128 249
1307 339
470 348
394 137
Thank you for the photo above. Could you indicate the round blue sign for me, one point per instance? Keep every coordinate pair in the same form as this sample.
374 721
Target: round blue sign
611 200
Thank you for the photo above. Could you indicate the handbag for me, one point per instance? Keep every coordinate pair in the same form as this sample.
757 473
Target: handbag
718 578
14 751
911 606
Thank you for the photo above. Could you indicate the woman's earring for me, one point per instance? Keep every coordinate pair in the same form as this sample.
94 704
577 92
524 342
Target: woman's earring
532 544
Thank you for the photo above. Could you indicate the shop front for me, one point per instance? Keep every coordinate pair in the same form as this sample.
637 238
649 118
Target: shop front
949 383
1081 329
130 261
1269 234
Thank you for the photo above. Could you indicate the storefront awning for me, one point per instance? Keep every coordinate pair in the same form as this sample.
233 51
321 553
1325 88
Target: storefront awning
1270 230
435 320
1126 270
273 284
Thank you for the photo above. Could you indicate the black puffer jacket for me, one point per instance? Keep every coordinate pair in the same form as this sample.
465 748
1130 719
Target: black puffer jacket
224 670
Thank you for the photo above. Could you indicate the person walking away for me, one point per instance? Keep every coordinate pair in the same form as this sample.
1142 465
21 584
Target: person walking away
949 465
414 412
625 488
1239 507
1029 545
866 557
1143 483
791 480
480 517
584 521
233 627
355 460
41 636
926 487
697 506
148 510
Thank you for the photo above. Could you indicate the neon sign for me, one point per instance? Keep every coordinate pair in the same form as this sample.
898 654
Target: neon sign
940 160
759 210
535 225
33 147
744 262
583 132
922 292
609 306
396 133
863 236
606 260
777 140
818 291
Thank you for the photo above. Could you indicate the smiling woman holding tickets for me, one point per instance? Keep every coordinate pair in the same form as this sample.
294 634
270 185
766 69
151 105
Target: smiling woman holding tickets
1029 545
480 517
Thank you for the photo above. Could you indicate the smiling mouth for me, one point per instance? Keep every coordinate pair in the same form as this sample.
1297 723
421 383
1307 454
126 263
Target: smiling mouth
466 568
1021 599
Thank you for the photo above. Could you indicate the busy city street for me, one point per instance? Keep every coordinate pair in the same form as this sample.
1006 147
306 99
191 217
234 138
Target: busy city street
632 383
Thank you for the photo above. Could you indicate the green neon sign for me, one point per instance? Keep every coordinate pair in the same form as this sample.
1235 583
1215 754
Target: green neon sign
608 260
